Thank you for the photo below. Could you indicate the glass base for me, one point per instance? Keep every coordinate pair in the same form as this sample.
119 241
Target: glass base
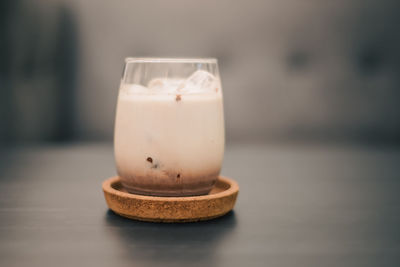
175 193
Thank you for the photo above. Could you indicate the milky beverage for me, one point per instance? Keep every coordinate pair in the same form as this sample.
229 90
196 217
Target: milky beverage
169 136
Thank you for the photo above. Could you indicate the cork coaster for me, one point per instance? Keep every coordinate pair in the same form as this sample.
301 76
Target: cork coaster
218 202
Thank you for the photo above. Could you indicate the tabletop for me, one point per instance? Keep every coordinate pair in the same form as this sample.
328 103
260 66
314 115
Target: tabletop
299 205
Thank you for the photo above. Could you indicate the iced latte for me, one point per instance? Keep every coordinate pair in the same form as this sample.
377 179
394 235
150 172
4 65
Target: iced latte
169 134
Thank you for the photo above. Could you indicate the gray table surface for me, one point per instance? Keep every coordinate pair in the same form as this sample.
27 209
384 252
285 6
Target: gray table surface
298 206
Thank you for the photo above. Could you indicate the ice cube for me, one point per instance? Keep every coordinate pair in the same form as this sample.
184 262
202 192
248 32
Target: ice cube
199 81
164 85
157 84
131 89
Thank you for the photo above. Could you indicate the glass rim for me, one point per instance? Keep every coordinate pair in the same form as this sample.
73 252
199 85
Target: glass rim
170 60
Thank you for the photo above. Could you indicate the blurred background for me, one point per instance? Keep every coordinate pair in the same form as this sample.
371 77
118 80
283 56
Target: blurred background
291 70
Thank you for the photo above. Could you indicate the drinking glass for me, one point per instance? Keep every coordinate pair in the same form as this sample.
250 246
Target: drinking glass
169 126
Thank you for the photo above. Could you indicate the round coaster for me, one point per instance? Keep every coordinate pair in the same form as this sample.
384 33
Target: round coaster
218 202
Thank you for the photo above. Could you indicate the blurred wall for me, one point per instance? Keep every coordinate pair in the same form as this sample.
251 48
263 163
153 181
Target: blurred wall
290 69
38 50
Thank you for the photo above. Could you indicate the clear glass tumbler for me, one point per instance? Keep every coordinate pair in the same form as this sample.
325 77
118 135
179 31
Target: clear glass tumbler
169 126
